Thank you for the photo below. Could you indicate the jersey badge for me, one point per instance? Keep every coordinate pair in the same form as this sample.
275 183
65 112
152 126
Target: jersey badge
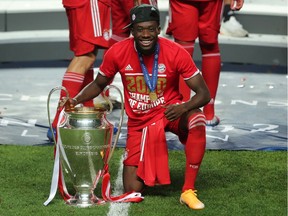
161 68
106 35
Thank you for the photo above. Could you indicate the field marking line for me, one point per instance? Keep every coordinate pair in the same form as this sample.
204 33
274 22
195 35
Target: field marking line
119 209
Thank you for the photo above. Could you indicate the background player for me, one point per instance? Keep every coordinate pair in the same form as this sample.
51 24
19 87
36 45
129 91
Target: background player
89 26
200 19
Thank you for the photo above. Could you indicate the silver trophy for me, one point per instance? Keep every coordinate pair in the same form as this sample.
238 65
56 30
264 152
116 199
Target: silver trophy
86 146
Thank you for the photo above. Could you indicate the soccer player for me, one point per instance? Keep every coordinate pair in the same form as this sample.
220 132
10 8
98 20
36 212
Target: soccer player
89 26
150 67
200 19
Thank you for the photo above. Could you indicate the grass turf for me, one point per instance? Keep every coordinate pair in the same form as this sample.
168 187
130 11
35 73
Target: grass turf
229 183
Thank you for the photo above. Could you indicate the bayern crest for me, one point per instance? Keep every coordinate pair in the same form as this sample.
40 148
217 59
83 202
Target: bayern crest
106 35
161 68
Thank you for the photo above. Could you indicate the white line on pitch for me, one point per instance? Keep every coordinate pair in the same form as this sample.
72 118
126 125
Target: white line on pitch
119 209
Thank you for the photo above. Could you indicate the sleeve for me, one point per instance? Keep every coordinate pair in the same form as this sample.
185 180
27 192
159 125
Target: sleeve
185 65
109 66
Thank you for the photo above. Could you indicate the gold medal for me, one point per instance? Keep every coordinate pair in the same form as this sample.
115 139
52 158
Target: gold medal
153 96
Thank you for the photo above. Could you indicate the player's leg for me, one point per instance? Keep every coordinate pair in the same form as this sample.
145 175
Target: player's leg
194 151
209 25
120 14
211 67
183 25
74 77
131 181
81 27
191 130
184 89
75 73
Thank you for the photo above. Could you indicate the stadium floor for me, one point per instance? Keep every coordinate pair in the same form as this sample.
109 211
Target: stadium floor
251 103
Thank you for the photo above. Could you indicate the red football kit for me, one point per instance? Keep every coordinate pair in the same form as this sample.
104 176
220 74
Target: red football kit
146 145
89 24
122 57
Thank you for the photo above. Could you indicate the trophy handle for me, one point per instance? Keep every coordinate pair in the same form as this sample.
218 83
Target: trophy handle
48 106
120 120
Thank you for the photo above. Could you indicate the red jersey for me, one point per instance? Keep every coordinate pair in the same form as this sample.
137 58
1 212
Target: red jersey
173 61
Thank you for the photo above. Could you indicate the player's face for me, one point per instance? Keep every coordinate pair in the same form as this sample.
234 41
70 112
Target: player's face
146 36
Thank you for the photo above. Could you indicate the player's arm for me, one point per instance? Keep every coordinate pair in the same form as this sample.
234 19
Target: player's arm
92 90
201 98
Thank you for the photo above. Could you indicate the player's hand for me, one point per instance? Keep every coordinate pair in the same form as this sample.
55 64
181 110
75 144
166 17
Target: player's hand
67 103
174 111
236 4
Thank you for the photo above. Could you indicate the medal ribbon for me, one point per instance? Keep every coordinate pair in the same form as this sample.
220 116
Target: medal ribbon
151 82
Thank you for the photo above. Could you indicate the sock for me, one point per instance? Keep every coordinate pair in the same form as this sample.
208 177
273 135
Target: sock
183 88
89 77
194 149
211 66
73 83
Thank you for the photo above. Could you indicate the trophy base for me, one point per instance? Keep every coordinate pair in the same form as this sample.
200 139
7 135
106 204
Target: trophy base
84 201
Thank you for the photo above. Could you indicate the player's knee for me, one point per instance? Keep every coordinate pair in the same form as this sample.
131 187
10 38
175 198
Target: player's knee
196 119
131 181
209 47
136 186
187 45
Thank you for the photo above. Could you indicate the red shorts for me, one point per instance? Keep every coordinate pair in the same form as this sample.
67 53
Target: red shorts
133 143
89 26
192 19
121 15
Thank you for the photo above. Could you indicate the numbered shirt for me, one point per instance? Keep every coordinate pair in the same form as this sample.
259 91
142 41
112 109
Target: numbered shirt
173 61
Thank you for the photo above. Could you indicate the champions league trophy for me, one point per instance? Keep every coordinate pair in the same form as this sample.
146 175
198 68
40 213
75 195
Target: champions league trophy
85 147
